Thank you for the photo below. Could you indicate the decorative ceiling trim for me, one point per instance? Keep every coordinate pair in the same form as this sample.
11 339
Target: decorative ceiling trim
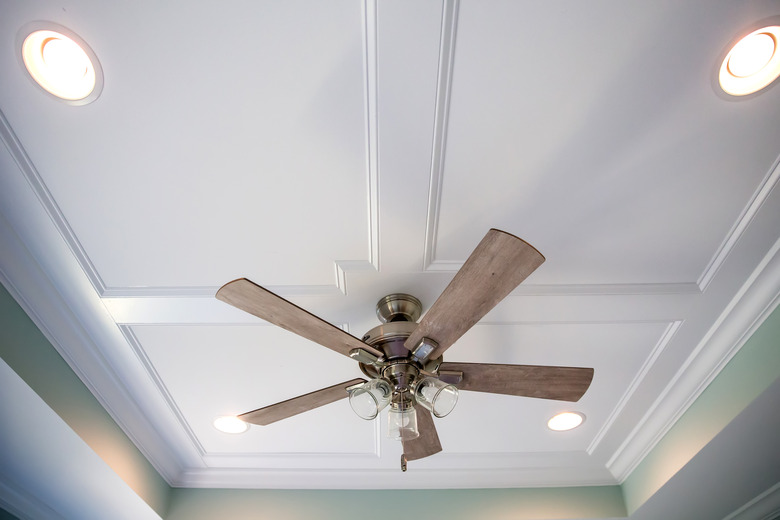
747 309
449 26
209 459
34 179
23 505
74 342
743 221
387 478
143 358
372 130
342 267
638 289
286 460
765 506
659 347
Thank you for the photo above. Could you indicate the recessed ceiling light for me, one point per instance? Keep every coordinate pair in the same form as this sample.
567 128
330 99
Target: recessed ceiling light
565 421
230 424
752 64
62 63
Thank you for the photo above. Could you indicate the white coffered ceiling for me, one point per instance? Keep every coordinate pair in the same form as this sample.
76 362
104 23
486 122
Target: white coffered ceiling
340 151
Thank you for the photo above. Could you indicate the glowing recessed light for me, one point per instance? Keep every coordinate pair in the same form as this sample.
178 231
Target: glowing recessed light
565 421
62 64
230 424
752 64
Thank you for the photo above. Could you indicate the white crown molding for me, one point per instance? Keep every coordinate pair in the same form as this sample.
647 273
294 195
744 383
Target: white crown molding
132 340
372 129
659 347
747 309
23 505
765 506
21 275
743 221
449 26
627 289
46 200
210 291
344 267
44 271
341 267
417 477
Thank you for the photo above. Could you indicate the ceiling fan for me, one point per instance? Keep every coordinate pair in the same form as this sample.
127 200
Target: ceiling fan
404 359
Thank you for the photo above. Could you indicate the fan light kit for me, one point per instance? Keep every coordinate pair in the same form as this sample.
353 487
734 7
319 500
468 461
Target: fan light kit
403 360
752 64
62 64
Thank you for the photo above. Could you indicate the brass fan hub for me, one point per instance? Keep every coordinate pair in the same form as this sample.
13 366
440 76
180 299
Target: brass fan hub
398 313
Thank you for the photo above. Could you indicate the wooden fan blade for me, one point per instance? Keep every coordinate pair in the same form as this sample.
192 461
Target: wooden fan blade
304 403
498 265
250 297
543 382
428 442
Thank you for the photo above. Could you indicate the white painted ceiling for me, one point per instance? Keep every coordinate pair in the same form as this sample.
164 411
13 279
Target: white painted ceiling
340 151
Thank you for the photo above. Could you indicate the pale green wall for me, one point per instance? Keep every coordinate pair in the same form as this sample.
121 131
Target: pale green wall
751 371
452 504
34 359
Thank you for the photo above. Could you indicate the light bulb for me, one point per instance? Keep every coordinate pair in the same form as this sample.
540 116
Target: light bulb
751 54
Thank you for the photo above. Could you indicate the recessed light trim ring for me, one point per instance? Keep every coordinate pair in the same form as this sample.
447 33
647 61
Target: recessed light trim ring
763 76
76 81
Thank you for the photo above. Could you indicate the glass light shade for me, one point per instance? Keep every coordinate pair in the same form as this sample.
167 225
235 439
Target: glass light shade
402 423
437 396
368 399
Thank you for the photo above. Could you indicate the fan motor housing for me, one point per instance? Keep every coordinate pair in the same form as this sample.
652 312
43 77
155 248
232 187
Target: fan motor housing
398 313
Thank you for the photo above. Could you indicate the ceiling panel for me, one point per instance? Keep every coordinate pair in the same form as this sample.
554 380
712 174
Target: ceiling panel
616 351
211 371
206 156
619 162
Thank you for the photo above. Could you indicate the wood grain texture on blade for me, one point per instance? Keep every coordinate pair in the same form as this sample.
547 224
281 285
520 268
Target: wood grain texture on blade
543 382
428 442
304 403
499 264
250 297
